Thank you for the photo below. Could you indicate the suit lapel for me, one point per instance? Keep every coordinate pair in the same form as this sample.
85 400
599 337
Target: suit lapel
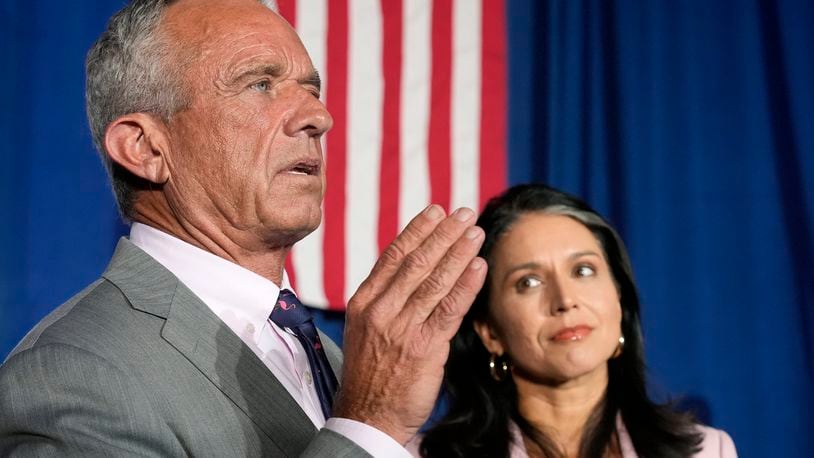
196 332
229 364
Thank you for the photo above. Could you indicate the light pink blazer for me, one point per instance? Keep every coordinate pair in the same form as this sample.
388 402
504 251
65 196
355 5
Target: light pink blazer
716 443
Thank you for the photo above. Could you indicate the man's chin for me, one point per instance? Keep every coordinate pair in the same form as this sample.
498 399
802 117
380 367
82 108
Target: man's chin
289 229
286 237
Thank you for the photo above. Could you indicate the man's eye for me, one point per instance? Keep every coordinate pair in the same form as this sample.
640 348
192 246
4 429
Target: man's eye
314 92
584 271
261 86
527 283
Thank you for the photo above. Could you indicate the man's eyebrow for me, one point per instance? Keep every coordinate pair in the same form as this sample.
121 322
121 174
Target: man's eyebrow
312 79
271 70
275 71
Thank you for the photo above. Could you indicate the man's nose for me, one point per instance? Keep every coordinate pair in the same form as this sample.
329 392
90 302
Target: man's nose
310 118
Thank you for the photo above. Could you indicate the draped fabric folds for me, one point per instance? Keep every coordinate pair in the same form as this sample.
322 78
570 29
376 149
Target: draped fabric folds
691 126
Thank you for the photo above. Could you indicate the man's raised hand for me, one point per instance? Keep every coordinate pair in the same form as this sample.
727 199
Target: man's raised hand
402 317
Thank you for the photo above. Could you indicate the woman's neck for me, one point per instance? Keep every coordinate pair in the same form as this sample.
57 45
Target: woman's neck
561 410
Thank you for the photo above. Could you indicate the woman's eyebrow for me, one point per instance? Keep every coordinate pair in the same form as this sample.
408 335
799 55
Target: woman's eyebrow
535 265
525 266
580 254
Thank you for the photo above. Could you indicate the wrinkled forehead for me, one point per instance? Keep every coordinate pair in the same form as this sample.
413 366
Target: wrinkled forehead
203 27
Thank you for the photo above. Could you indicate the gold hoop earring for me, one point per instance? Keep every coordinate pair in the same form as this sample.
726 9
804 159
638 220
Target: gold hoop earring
619 347
498 367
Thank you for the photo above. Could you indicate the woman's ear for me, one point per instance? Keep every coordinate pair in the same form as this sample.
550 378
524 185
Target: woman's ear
489 337
139 143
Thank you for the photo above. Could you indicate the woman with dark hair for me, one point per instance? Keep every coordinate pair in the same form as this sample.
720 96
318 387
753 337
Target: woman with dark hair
549 360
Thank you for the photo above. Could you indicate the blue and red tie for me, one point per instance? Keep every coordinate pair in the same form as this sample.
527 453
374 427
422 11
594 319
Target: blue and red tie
290 313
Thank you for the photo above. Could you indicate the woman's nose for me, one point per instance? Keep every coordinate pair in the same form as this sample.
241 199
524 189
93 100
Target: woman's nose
564 298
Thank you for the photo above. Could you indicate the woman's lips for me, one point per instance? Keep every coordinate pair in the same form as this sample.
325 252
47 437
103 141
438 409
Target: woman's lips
572 334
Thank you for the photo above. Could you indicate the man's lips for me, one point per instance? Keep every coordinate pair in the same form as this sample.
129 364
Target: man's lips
571 334
309 167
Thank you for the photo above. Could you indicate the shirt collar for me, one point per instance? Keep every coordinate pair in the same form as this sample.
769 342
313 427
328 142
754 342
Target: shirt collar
234 293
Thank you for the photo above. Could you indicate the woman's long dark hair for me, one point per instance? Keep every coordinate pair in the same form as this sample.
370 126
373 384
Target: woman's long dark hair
480 408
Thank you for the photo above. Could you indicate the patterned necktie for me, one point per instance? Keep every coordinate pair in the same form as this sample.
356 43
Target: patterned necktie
290 313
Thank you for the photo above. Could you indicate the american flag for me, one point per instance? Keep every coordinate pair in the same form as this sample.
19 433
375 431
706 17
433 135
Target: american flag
417 90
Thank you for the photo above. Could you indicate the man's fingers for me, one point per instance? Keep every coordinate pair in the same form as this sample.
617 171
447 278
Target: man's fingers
397 322
445 319
438 284
419 228
419 265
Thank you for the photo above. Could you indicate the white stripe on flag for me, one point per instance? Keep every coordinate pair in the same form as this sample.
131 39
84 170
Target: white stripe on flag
466 93
365 95
307 253
363 123
415 100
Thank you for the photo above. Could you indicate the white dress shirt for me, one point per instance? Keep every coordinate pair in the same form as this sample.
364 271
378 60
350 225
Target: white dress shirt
244 300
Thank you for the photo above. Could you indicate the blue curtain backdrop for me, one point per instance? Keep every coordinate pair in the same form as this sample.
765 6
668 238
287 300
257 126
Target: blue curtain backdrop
689 124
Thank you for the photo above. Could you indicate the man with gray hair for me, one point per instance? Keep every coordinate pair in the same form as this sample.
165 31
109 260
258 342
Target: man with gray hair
208 118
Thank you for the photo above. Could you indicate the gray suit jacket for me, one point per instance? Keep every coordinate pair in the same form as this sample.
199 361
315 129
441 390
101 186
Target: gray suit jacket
136 364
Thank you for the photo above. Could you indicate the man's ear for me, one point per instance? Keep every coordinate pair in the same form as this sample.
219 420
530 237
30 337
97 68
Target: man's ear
139 143
489 337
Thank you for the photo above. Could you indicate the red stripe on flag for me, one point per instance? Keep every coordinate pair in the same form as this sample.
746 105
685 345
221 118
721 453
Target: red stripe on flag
439 149
493 101
333 247
391 128
288 10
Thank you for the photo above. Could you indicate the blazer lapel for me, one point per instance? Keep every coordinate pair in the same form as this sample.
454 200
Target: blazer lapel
196 332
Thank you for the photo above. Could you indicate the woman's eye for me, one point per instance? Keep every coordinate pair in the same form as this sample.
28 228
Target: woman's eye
527 283
584 271
261 86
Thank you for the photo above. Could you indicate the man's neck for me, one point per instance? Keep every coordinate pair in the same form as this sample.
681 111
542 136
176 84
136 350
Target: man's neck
244 249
